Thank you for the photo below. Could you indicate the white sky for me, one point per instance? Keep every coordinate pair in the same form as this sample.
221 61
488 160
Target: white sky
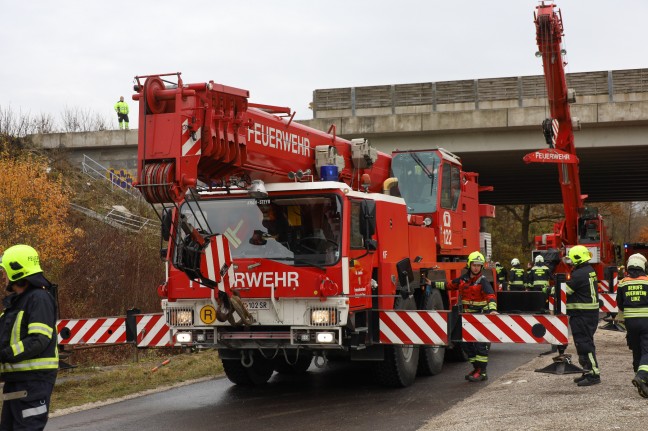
84 54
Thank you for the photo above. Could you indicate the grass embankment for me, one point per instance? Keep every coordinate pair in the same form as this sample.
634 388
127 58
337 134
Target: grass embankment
85 385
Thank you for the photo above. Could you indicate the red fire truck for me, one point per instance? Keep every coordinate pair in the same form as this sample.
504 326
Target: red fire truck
287 246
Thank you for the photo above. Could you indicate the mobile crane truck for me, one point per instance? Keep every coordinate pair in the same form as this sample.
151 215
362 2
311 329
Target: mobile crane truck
582 225
287 244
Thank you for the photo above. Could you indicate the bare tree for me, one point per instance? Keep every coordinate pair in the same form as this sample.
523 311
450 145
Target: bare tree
14 124
43 123
76 119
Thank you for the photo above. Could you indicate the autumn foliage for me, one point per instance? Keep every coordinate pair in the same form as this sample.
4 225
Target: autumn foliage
100 270
34 207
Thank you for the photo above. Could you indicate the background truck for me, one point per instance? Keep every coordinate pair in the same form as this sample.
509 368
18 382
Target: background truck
284 243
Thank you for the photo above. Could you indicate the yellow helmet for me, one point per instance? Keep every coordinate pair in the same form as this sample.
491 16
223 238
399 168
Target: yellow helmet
476 257
20 261
579 254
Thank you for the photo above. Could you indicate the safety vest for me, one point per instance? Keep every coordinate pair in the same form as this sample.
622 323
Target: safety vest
121 107
16 325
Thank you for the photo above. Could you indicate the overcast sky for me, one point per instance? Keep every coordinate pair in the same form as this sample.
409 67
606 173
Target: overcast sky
84 54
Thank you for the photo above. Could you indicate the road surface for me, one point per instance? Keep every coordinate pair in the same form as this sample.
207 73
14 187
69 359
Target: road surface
340 395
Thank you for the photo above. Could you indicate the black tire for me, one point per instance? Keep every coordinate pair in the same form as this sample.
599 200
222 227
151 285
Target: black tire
431 358
257 374
399 367
300 367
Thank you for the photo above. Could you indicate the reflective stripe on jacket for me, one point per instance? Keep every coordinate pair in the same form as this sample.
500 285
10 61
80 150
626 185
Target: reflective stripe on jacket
28 338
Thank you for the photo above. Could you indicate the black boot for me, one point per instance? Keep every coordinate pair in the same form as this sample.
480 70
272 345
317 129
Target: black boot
478 375
641 386
467 376
589 380
580 378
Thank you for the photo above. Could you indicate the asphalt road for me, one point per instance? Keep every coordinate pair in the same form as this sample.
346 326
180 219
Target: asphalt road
342 395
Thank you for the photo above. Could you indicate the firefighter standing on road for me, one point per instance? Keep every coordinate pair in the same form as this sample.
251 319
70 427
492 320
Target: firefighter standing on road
516 275
501 275
121 108
583 311
28 341
477 296
632 299
539 276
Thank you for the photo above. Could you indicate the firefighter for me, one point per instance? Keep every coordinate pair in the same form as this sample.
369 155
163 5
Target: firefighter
501 275
583 312
477 296
28 340
539 276
516 276
632 299
121 108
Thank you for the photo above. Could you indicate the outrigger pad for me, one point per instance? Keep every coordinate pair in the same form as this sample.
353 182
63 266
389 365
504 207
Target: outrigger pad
613 326
562 364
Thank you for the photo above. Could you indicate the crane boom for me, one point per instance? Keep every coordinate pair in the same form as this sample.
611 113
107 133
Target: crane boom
558 129
581 225
204 132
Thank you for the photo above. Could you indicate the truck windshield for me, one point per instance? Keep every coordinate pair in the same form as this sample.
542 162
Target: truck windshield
296 230
417 179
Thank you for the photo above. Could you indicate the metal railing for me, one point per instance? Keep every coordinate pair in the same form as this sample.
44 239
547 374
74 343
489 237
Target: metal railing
98 172
129 221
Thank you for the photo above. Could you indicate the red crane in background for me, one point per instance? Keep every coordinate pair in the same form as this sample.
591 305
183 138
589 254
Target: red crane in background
581 225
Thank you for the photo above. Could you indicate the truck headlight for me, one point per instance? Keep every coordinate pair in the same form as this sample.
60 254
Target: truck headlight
324 317
180 317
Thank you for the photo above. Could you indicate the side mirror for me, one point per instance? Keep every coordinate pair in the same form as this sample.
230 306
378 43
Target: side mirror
166 224
371 245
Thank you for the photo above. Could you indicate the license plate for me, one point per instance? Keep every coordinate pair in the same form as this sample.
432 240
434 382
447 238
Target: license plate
256 305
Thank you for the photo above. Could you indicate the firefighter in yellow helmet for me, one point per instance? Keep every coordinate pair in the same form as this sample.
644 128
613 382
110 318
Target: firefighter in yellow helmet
583 311
632 298
28 340
477 296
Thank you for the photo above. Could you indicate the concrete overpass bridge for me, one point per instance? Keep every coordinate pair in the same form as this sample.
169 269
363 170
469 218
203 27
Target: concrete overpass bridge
490 123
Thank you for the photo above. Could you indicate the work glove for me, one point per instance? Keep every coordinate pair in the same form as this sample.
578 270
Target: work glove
491 307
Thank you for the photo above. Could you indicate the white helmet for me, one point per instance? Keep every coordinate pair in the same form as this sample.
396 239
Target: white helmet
539 259
515 261
637 260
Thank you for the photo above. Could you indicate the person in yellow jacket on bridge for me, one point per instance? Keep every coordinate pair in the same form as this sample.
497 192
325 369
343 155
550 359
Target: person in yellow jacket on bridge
121 108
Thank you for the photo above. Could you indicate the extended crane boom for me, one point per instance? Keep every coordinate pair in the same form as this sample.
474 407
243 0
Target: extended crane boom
581 225
558 129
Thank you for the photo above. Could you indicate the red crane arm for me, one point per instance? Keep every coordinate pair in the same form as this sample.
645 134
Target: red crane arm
210 132
549 32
